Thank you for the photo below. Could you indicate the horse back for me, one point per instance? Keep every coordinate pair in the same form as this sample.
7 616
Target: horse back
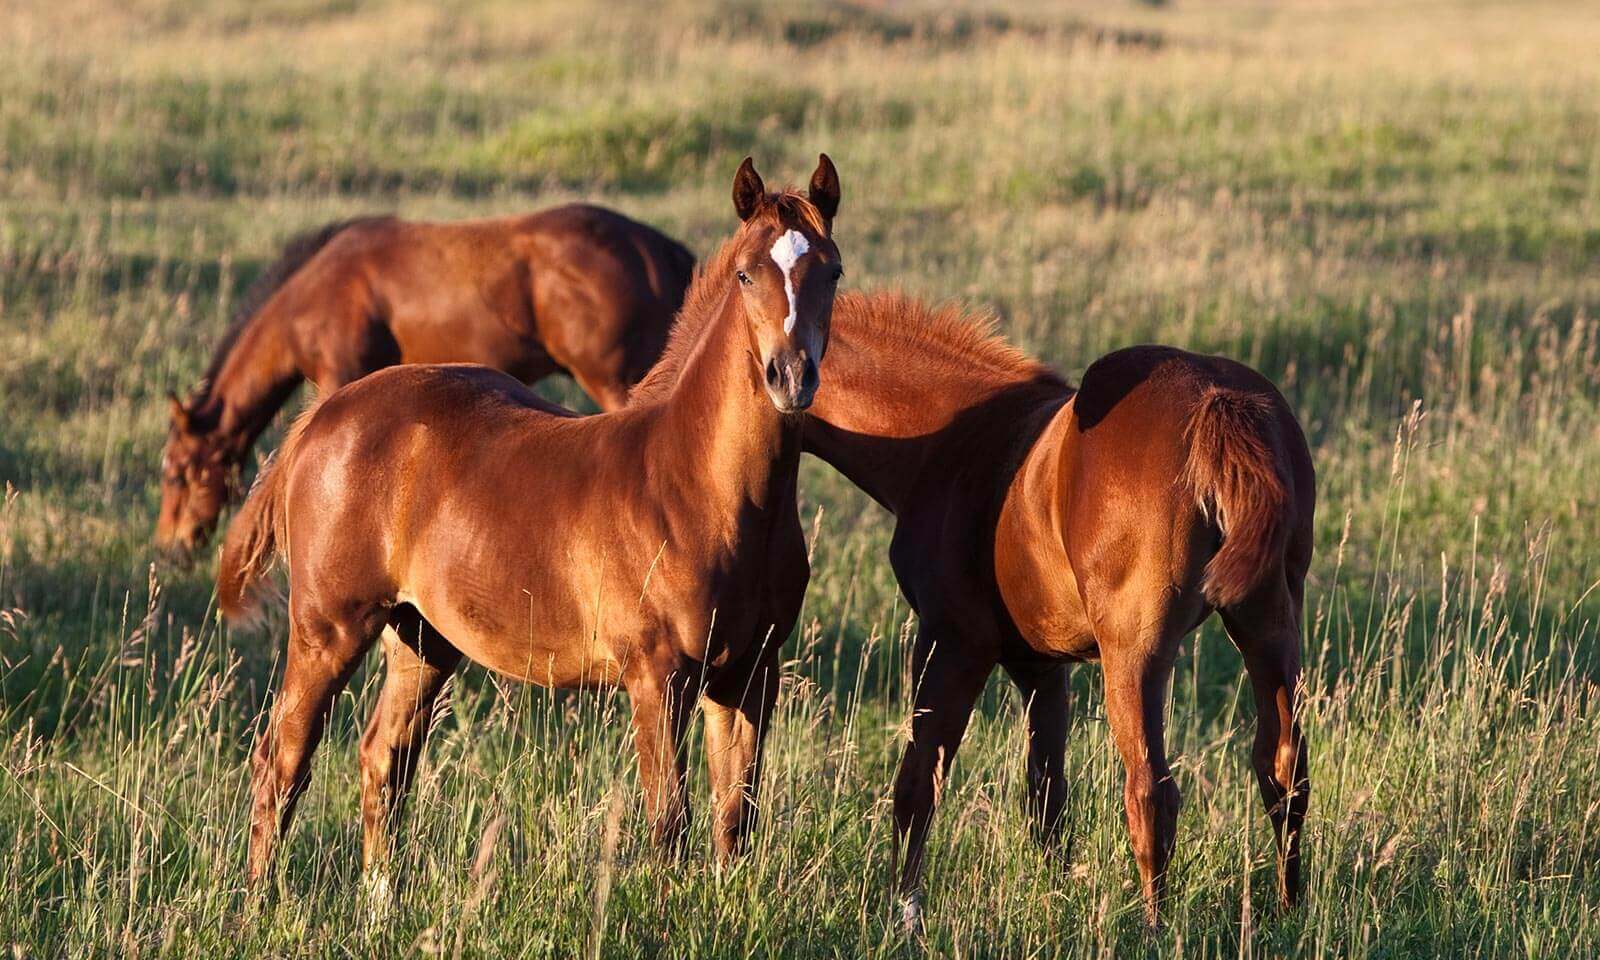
576 287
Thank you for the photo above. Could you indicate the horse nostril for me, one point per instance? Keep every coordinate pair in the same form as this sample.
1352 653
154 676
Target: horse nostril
772 373
808 379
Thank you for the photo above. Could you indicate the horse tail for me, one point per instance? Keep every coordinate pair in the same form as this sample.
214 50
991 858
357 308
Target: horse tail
256 535
1237 472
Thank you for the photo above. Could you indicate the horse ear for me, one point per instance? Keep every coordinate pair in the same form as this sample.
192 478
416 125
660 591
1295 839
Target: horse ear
747 190
825 188
180 413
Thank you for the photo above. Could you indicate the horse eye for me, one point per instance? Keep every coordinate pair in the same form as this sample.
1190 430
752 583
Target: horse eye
744 278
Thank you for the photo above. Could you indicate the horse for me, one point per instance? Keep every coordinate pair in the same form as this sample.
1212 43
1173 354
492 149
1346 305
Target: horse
576 289
1037 526
451 511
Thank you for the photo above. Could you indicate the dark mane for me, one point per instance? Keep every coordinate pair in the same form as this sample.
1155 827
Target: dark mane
296 253
705 295
949 333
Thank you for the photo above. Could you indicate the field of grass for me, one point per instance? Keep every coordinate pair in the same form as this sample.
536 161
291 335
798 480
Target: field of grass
1391 209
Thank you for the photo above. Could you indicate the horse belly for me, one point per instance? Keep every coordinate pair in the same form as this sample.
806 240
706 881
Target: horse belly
526 647
531 608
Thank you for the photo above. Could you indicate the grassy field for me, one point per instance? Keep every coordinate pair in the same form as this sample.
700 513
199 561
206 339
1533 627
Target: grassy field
1391 209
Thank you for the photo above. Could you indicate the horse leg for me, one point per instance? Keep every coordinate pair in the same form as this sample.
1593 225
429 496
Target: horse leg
321 657
663 704
737 711
1046 694
948 679
1138 670
418 662
1266 629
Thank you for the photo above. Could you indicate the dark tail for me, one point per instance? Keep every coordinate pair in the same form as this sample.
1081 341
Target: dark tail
255 535
1236 472
296 254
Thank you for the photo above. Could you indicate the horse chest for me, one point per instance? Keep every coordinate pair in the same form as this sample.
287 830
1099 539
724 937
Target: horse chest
722 603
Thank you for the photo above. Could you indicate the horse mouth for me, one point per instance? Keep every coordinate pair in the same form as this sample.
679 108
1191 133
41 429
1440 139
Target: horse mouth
792 406
180 550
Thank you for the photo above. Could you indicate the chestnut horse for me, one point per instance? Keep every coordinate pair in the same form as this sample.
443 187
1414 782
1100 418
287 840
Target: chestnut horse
659 547
1038 526
578 289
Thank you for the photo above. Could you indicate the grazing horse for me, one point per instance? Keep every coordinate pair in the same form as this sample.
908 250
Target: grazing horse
578 289
1036 526
658 547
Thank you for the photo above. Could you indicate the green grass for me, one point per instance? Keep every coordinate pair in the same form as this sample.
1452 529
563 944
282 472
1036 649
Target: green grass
1394 213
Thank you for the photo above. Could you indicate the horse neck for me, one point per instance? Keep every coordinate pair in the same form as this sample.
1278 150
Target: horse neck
719 420
252 381
888 414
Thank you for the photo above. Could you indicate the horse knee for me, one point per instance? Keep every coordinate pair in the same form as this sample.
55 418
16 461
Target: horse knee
1156 800
1290 762
914 790
1145 788
1169 797
1280 763
277 767
261 756
908 786
1294 775
376 762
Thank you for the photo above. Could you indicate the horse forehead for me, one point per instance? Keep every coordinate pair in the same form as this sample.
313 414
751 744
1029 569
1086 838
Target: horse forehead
788 247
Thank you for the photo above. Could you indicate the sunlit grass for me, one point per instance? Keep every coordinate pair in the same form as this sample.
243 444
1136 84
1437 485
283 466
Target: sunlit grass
1392 212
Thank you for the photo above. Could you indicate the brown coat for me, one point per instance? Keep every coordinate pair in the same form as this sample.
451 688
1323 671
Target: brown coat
1038 525
576 289
657 547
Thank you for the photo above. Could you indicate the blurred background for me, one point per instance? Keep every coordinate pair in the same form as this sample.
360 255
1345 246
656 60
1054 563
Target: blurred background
1391 209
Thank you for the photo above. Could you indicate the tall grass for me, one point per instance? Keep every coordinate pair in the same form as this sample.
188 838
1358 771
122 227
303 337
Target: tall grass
1392 212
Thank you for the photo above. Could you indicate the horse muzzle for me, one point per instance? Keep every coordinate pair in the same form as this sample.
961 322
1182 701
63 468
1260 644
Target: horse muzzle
792 381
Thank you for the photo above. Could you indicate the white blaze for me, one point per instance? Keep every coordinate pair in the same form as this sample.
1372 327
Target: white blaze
786 252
